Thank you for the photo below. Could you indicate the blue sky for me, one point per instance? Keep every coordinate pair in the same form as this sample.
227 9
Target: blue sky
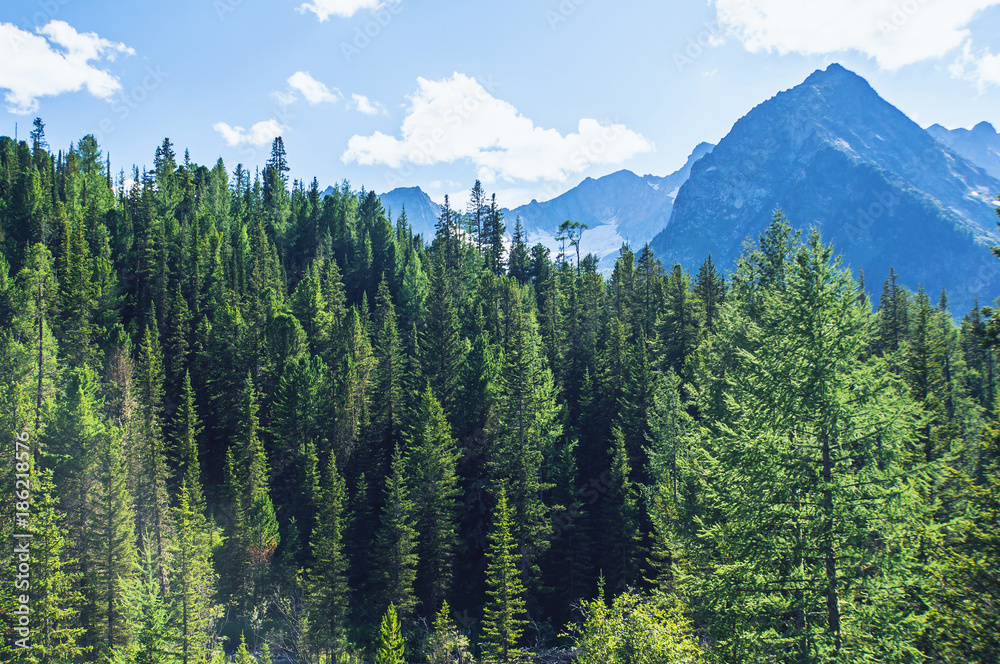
530 96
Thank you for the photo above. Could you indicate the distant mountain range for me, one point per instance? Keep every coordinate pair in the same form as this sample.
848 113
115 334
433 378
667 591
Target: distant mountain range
980 145
829 152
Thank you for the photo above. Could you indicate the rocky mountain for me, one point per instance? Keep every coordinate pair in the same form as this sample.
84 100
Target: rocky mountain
620 207
421 212
980 145
830 151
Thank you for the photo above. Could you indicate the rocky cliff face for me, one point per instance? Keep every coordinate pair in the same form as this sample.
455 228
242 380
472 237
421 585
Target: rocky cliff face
832 152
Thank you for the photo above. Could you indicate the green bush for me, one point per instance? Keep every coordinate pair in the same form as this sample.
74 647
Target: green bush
636 629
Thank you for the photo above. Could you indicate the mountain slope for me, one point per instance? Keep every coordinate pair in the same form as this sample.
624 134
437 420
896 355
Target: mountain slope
620 207
831 151
980 145
421 212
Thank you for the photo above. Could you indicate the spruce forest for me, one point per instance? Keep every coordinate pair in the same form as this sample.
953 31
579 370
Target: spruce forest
266 425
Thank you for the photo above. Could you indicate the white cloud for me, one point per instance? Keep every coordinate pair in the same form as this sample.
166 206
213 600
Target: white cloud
314 91
365 105
981 68
324 9
456 118
58 59
894 32
261 133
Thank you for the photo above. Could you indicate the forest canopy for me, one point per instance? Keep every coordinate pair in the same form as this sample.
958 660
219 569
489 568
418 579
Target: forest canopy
271 424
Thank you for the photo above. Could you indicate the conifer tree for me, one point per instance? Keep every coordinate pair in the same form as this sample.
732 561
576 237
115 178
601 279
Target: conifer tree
446 645
390 648
77 296
710 289
502 618
152 508
111 545
444 349
493 237
528 426
387 415
254 530
146 611
55 598
432 460
622 556
242 655
326 580
37 286
186 431
395 543
519 263
192 579
677 329
811 482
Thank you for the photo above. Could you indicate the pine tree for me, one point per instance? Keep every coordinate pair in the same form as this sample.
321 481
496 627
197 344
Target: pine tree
494 237
502 621
37 286
152 508
528 426
444 348
192 579
146 611
254 530
111 545
678 327
395 543
54 597
519 264
390 648
186 431
710 289
814 500
242 655
622 555
446 645
326 580
432 460
387 415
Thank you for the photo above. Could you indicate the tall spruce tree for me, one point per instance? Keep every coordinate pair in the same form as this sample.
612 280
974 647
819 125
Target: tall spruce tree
192 578
432 459
395 544
111 547
811 485
326 580
503 623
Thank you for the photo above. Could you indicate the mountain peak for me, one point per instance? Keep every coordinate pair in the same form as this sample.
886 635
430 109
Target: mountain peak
984 127
831 151
836 76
